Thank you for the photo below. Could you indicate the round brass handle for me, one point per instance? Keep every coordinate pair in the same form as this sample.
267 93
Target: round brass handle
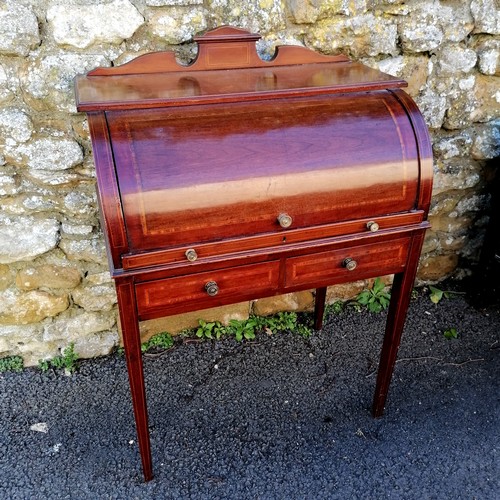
191 254
284 220
212 288
349 264
372 226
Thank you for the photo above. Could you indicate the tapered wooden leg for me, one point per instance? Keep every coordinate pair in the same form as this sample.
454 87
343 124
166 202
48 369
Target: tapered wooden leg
319 308
132 342
400 299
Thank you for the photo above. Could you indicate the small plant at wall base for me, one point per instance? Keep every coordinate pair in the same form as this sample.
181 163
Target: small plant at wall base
66 361
162 341
11 364
376 299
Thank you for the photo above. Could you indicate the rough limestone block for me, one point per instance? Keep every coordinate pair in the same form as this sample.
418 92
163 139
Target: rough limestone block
92 250
15 125
21 308
455 174
98 344
359 36
48 276
81 25
486 15
78 324
455 20
7 90
414 69
26 237
303 11
437 267
48 80
488 52
433 107
487 99
46 154
486 144
421 31
450 145
263 16
15 334
95 297
7 276
177 25
345 291
18 29
455 59
298 301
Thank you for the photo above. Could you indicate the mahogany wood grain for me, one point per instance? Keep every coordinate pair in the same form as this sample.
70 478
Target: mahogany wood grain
241 166
324 268
398 307
127 306
282 239
188 293
210 156
110 207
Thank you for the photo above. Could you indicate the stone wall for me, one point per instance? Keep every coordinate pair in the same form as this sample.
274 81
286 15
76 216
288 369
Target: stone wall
54 284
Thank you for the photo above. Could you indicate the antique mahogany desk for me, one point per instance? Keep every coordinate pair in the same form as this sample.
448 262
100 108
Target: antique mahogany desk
235 178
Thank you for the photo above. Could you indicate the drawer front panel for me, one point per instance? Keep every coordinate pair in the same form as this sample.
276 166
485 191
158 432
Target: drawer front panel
332 267
204 290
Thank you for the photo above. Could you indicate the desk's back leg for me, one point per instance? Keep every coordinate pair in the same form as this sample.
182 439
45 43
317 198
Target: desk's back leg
132 342
319 307
400 299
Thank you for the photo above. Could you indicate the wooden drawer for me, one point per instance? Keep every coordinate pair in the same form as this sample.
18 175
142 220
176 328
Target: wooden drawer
327 268
189 293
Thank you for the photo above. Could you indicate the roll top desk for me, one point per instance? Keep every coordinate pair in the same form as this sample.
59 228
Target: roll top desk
235 178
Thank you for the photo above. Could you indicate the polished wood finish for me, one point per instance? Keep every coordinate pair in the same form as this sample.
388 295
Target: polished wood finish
268 175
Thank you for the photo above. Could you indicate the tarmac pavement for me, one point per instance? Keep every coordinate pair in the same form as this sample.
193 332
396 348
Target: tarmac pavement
280 418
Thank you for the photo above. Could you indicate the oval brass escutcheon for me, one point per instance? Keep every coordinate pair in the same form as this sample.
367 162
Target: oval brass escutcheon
191 254
284 220
372 226
349 264
212 288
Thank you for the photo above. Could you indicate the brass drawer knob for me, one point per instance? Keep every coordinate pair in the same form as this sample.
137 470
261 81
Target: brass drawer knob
372 226
191 254
212 288
350 264
284 220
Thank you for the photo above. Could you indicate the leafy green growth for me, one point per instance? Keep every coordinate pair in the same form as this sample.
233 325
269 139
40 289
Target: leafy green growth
66 361
436 294
212 330
161 341
247 329
335 308
244 329
44 364
11 364
375 299
451 333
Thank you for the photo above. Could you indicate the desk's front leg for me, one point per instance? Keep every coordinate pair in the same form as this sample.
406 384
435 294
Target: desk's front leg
319 307
127 305
400 299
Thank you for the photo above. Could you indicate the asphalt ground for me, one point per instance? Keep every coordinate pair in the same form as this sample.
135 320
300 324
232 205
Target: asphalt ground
282 417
